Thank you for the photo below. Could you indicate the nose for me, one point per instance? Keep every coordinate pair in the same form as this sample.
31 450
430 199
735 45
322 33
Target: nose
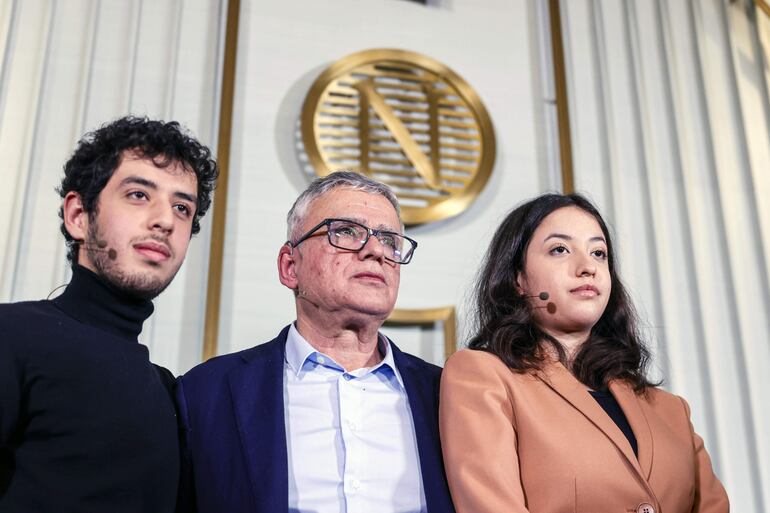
372 249
586 266
162 218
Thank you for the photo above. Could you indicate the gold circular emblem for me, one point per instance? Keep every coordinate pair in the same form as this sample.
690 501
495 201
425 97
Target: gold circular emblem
405 120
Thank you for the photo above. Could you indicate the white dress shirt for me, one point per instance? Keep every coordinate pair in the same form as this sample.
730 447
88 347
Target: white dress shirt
350 436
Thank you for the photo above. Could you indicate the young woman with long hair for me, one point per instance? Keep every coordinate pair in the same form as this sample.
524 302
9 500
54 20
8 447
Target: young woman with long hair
550 409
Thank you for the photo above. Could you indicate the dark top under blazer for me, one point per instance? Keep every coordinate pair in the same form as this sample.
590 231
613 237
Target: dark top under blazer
234 455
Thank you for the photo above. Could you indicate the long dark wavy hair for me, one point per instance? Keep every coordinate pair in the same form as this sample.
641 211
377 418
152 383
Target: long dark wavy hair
99 153
504 323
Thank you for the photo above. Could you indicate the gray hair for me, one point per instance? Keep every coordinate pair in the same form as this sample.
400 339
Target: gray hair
320 186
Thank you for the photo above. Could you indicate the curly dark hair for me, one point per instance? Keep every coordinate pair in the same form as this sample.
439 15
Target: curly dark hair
504 322
99 153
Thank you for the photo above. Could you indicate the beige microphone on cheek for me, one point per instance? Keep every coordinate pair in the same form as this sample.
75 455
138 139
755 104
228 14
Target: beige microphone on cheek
101 246
550 307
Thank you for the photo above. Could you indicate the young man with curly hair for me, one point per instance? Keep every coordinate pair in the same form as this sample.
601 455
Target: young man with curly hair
87 422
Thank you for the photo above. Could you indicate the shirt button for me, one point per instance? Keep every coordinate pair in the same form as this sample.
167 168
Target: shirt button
356 484
353 425
645 508
321 359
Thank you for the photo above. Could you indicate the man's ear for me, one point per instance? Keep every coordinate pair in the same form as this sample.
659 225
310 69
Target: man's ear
75 216
287 267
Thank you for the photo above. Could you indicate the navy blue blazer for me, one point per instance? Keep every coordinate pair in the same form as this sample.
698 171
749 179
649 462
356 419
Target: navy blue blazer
231 414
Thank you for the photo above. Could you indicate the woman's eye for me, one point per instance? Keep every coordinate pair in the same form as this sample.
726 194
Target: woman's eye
600 253
184 209
559 250
137 195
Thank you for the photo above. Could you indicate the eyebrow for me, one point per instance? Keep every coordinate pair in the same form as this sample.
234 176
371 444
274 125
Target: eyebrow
380 227
138 180
569 238
187 197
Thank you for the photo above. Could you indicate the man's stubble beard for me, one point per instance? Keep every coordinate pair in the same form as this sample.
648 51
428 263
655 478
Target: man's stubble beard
139 285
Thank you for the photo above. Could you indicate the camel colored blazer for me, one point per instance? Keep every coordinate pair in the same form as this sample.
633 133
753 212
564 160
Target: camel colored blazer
540 443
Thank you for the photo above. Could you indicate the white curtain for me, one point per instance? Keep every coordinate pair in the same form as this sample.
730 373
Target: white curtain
67 67
670 122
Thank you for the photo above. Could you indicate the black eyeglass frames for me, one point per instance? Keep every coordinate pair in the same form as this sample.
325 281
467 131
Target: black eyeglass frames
353 236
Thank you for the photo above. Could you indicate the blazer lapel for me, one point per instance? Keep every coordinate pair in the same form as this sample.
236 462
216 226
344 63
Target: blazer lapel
422 393
631 405
257 393
423 406
563 383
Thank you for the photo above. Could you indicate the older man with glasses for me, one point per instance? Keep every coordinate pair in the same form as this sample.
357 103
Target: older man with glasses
330 416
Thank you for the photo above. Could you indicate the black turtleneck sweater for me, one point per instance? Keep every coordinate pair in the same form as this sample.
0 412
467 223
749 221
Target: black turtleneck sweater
87 423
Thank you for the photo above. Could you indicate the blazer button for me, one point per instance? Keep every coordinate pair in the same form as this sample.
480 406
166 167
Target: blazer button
645 508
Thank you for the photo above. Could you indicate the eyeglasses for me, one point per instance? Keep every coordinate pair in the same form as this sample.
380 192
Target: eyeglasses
353 236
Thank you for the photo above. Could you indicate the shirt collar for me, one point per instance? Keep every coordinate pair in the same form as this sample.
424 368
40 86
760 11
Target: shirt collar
299 352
